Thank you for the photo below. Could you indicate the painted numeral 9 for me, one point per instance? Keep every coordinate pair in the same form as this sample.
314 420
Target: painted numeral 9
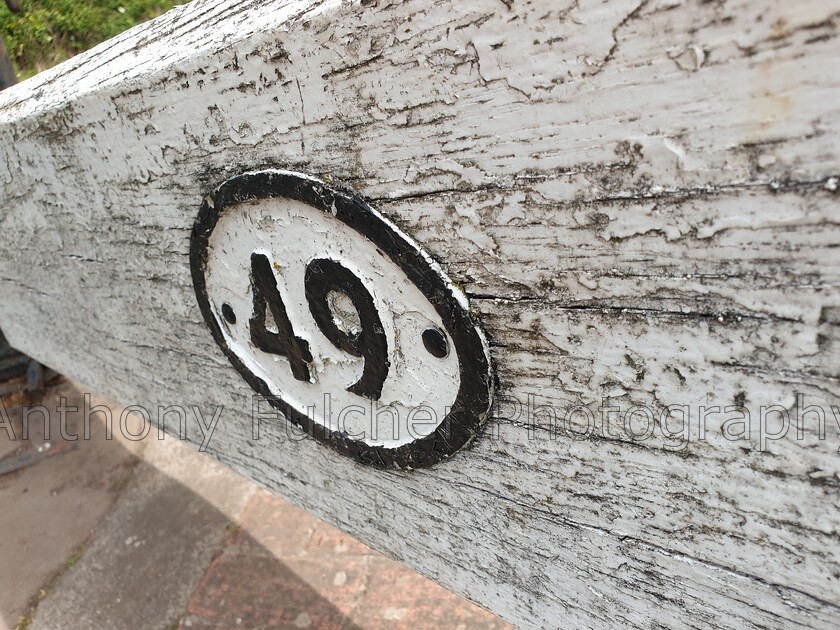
325 276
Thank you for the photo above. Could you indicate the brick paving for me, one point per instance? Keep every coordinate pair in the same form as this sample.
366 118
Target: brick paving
282 568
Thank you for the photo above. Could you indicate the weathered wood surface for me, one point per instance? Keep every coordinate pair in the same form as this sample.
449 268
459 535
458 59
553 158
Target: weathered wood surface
639 198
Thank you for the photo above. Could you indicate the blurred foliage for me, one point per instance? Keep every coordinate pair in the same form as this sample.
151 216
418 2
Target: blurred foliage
47 32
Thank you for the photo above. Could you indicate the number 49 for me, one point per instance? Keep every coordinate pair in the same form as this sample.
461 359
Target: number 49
322 276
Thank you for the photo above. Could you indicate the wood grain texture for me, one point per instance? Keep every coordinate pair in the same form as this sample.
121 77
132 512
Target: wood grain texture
639 198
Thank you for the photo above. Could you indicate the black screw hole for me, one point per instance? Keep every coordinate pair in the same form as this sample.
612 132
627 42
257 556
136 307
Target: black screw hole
228 314
435 342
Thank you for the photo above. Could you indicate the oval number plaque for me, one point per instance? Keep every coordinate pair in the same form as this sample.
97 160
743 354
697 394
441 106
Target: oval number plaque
339 319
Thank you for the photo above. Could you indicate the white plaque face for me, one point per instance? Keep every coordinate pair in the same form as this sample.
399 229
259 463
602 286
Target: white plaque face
340 320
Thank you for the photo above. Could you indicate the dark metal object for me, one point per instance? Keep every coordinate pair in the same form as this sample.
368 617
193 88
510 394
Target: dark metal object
19 372
17 461
35 379
13 366
7 72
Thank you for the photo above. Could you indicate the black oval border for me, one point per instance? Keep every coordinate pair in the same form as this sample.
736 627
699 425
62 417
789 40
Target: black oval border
472 404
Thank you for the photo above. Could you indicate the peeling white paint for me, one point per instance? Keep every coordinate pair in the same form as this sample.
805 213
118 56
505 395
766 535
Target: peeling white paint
639 198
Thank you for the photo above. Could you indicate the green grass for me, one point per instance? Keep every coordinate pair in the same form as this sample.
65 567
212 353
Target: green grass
26 620
47 32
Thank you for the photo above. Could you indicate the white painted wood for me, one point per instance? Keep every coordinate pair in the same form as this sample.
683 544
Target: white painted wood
638 198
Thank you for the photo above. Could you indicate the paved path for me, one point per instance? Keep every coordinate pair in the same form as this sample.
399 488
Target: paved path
119 534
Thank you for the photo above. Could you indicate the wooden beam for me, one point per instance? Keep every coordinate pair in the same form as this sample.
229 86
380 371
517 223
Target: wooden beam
638 199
